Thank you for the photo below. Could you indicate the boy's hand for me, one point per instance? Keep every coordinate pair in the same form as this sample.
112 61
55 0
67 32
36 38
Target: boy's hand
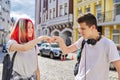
47 39
56 39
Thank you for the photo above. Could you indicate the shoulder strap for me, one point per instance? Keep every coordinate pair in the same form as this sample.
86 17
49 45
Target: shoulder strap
13 58
79 58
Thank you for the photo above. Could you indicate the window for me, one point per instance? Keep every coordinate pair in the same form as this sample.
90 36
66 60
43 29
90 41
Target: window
0 8
60 12
44 18
3 19
53 12
65 9
45 32
117 8
50 14
8 21
116 1
80 1
88 10
0 12
116 36
98 12
80 13
8 2
50 1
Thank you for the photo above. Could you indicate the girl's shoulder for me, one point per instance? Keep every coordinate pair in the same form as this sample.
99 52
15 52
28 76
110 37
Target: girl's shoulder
9 43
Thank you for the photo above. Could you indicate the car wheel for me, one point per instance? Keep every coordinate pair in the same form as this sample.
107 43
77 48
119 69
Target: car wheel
5 51
66 55
112 67
41 54
51 55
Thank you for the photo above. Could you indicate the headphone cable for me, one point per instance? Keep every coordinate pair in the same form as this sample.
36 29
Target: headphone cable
85 62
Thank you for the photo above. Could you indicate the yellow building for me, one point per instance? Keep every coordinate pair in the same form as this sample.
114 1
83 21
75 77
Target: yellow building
107 13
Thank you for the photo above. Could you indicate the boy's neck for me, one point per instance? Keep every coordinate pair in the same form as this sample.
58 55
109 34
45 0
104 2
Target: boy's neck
96 35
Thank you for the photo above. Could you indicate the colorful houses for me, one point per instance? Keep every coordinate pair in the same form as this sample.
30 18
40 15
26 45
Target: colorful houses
58 17
107 13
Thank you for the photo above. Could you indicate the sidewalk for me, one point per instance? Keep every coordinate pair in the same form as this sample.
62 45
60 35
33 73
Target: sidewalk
1 65
112 74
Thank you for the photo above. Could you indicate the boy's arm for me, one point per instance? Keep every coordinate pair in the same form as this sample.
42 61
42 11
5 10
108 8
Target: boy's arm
117 66
65 49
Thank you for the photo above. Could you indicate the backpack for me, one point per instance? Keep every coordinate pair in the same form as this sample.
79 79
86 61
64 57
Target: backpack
8 66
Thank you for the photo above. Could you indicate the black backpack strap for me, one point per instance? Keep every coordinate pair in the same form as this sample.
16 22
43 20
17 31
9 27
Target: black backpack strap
11 67
13 58
79 58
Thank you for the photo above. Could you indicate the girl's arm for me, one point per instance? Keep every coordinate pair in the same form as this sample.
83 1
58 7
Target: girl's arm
27 46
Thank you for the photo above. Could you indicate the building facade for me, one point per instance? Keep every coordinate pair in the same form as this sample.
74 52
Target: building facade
55 18
4 20
107 13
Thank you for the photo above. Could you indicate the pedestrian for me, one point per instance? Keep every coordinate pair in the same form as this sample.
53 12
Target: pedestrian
22 40
97 53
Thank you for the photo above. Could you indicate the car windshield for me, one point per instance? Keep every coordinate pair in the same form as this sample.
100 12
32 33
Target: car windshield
55 45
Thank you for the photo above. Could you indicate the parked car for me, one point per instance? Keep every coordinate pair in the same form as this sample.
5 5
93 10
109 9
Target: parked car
112 66
52 50
4 49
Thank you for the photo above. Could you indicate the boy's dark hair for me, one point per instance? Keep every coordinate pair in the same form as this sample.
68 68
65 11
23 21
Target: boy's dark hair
89 19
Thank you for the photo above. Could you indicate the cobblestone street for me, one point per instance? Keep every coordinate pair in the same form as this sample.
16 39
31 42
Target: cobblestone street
55 69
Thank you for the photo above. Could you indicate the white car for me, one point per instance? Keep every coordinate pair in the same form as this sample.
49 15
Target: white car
52 50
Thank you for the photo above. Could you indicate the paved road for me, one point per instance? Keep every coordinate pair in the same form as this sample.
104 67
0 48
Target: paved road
61 70
56 69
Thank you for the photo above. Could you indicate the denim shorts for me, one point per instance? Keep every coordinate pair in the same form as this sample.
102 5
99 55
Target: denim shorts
17 76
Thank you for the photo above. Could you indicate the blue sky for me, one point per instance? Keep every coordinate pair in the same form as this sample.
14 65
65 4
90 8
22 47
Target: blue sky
23 8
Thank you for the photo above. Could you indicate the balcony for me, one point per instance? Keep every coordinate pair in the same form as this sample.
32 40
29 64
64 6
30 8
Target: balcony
60 20
116 1
109 17
79 1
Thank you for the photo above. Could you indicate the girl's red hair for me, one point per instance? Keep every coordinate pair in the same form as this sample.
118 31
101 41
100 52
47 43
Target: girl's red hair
20 33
